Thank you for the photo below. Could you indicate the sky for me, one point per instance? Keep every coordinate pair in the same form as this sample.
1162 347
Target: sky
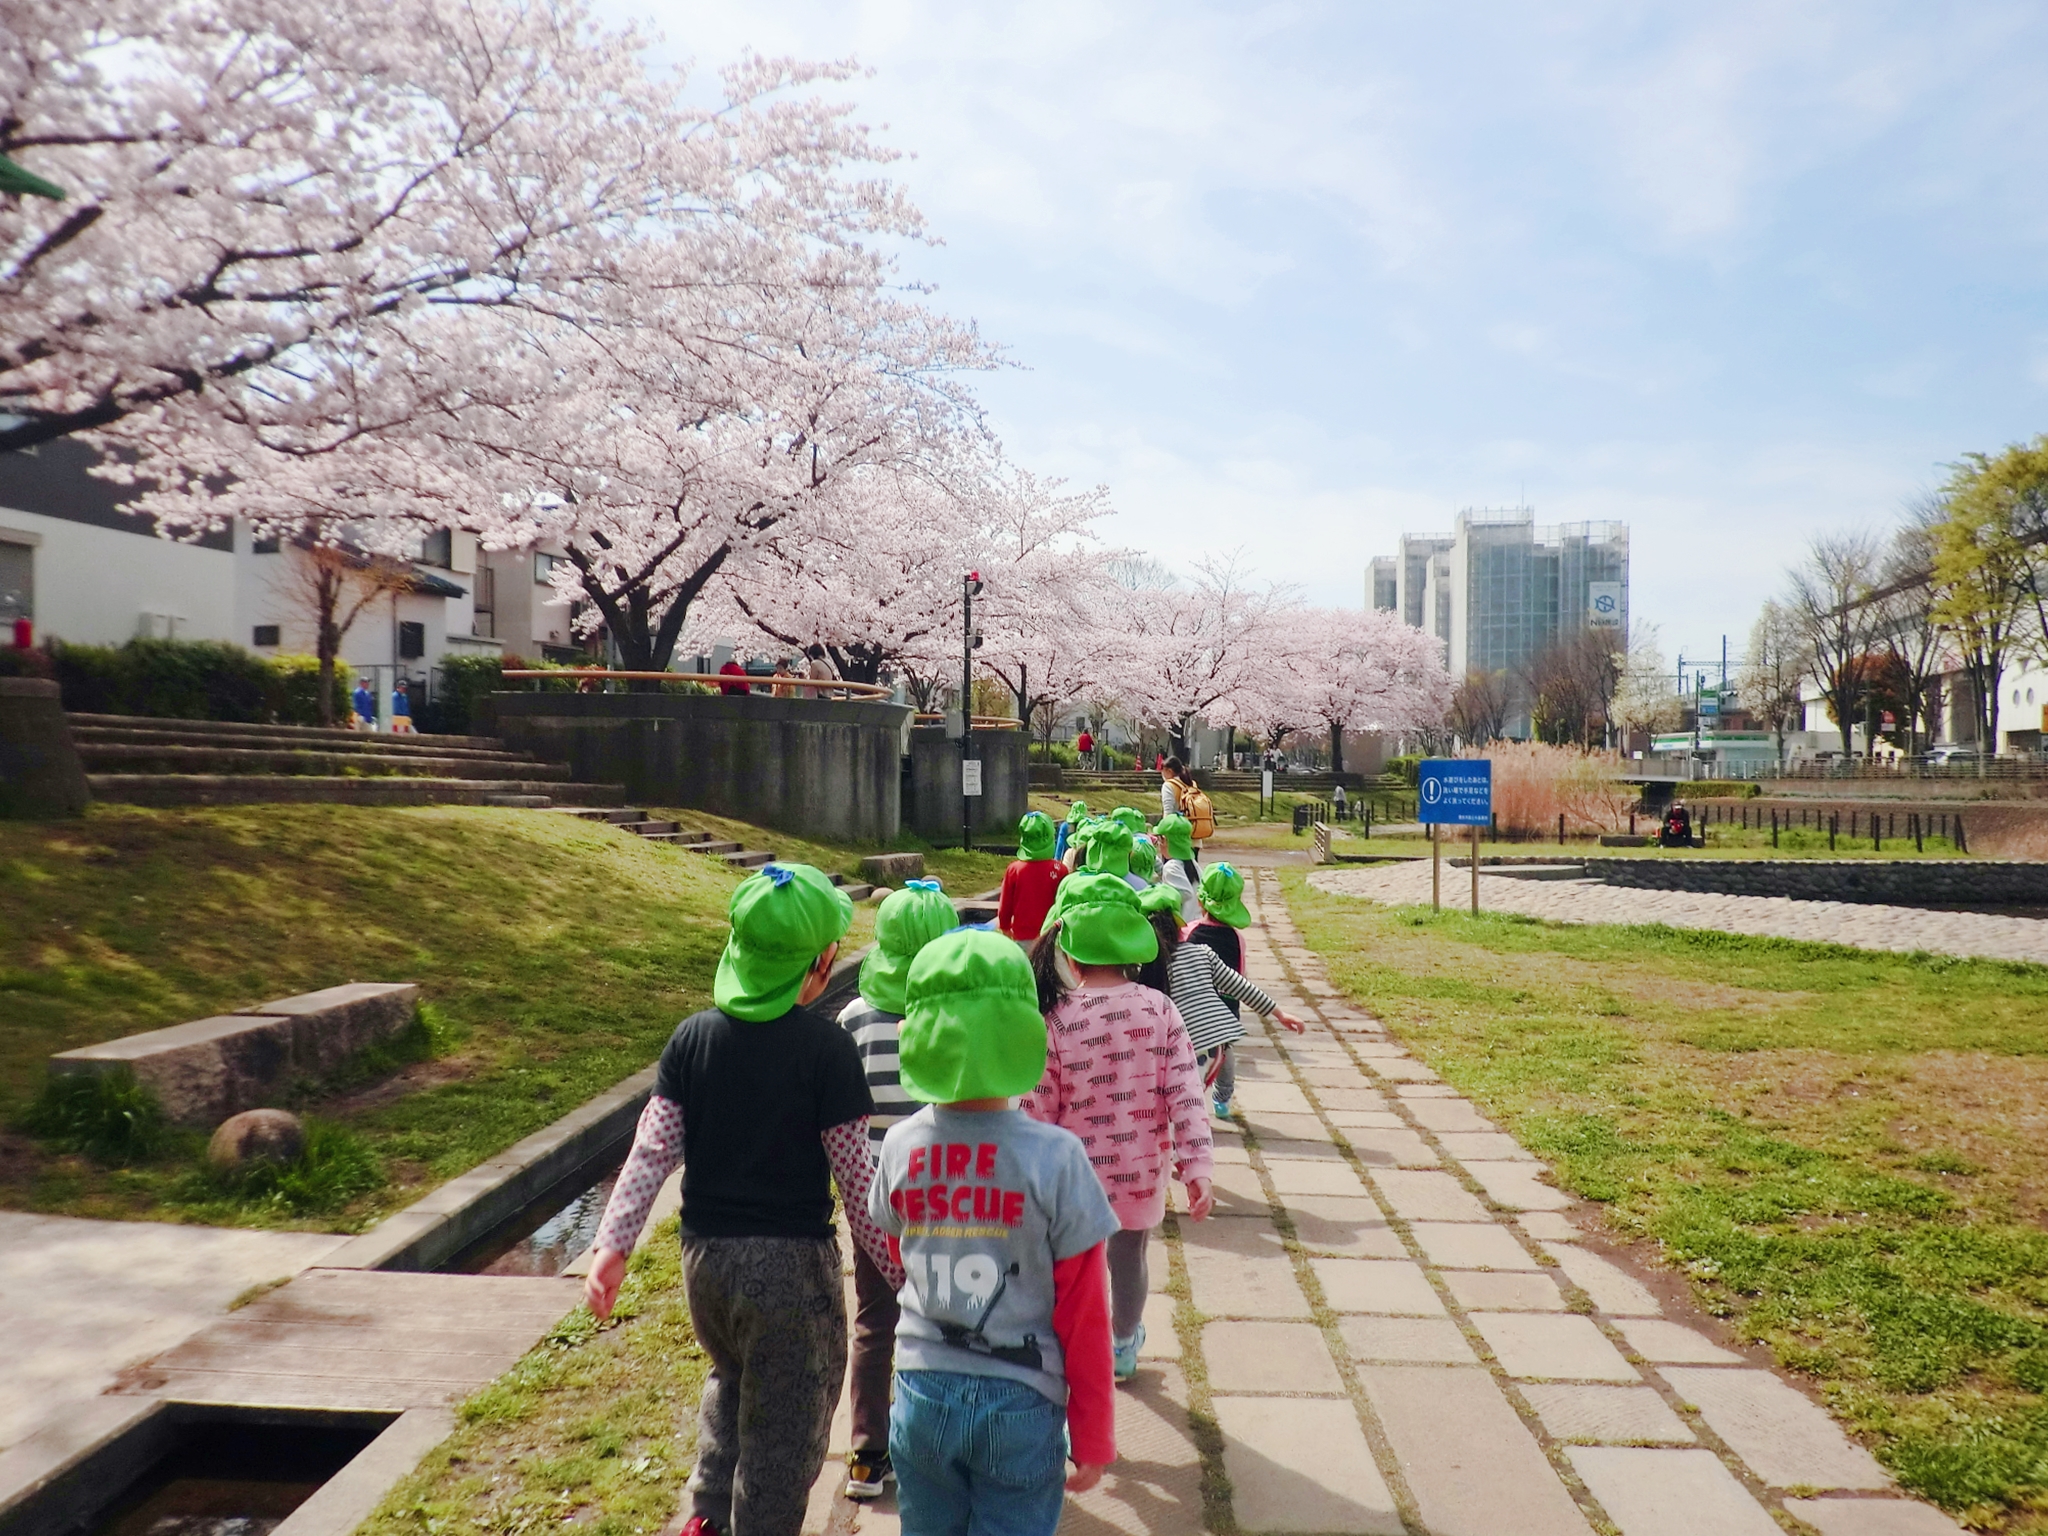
1294 278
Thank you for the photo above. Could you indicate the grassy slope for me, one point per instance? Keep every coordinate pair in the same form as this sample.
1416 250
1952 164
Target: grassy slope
1844 1150
559 955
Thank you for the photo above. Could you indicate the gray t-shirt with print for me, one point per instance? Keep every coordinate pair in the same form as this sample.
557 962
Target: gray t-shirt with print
983 1205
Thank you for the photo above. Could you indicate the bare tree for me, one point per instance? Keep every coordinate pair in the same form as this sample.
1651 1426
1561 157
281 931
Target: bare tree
1829 601
1646 696
1479 709
333 584
1572 683
1774 670
1911 635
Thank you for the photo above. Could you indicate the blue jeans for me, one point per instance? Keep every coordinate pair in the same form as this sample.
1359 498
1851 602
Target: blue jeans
976 1455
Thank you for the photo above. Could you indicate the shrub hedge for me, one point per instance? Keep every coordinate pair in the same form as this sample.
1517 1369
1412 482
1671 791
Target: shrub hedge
192 680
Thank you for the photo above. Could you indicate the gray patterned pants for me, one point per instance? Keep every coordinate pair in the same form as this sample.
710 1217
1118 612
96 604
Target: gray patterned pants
770 1312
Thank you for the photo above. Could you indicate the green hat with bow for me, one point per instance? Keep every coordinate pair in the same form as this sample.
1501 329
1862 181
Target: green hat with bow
1161 898
783 917
972 1029
1077 813
1222 895
910 919
1145 860
1109 849
1036 835
1130 818
1178 833
1100 922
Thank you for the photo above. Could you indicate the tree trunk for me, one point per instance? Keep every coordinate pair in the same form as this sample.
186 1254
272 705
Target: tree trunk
327 638
1336 748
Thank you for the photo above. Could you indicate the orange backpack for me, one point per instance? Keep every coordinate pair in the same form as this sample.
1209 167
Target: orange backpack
1195 805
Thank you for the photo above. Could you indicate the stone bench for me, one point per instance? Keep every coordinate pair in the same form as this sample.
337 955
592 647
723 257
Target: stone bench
209 1069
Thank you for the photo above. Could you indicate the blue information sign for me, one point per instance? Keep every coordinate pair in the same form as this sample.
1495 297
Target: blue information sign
1456 790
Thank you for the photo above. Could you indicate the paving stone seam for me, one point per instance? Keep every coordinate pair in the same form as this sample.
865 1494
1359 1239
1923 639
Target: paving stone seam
1218 1512
1554 1448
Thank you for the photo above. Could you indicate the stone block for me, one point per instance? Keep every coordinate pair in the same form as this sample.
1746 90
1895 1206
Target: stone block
1278 1097
1663 1343
1558 1348
1350 1225
1787 1440
1269 1125
1403 1070
1344 1079
1237 1189
1225 1285
1548 1226
1447 1115
1461 1245
331 1025
1469 1460
1301 1465
1269 1357
1317 1149
1406 1340
1391 1287
1479 1290
1365 1119
892 868
1670 1493
1483 1146
1612 1289
1301 1176
1401 1148
1872 1517
1518 1186
1612 1415
41 775
1161 1341
1420 1195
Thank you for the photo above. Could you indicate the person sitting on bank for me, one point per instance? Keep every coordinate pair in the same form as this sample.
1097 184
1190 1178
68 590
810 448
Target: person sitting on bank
766 1105
1677 831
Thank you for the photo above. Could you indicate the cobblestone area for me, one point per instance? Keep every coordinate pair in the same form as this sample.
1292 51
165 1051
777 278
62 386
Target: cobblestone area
1863 925
1395 1326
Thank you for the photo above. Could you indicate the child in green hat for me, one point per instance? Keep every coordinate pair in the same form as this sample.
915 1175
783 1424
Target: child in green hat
1120 1073
907 921
1004 1338
765 1105
1178 870
1077 813
1029 883
1207 982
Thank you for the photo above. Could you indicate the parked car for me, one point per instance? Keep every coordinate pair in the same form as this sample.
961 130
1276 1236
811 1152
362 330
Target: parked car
1951 755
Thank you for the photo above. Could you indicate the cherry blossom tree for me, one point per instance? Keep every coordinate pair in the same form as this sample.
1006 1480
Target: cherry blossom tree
1353 670
1203 648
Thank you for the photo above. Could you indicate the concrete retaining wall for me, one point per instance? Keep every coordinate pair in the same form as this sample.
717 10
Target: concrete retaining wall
931 790
40 772
822 768
1906 883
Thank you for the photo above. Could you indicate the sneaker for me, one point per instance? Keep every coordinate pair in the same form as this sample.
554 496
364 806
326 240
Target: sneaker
1124 1356
1222 1108
867 1474
698 1525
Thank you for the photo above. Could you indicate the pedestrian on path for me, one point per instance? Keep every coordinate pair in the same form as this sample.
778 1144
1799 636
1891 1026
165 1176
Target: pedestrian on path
765 1105
907 921
1178 870
364 703
1003 1351
401 709
1030 881
1172 774
1077 813
1206 988
1119 1073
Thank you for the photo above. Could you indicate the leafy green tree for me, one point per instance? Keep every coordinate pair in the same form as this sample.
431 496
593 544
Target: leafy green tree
1994 510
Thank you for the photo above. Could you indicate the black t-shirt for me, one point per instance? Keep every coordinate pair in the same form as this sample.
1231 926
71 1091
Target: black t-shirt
755 1099
1229 948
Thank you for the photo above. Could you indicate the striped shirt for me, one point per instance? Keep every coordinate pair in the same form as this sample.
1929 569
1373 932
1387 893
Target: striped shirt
874 1033
1198 981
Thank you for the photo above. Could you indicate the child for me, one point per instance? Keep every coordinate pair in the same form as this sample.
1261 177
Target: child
1178 871
1002 1228
1145 862
764 1104
1029 883
1121 1075
1076 814
907 921
1207 989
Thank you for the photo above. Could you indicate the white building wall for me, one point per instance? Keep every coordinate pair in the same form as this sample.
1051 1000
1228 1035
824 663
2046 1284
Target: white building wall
101 586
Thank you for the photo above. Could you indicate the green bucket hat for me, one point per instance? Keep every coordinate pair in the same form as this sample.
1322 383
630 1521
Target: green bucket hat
1109 849
1077 812
1222 895
972 1029
910 919
1100 923
1035 836
783 917
1130 818
1161 898
1145 860
1179 835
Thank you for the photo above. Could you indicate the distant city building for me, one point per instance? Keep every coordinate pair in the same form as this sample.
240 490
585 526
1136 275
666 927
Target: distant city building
1500 587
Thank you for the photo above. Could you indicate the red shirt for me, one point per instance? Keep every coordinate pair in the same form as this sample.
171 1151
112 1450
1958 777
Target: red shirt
732 669
1028 889
1084 743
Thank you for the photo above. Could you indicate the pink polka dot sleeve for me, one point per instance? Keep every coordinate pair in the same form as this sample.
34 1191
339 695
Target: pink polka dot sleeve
657 1151
852 1156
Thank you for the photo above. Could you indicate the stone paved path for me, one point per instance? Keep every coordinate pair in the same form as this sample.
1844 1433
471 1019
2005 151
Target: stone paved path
1392 1324
1592 901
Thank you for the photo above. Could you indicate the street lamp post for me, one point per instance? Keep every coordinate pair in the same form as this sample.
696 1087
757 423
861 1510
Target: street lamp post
970 584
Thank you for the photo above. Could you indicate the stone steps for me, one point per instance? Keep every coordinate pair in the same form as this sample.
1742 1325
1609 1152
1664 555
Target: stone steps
734 855
171 789
130 757
335 738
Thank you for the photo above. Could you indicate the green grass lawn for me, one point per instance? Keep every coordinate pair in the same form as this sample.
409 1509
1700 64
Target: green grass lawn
556 956
1846 1152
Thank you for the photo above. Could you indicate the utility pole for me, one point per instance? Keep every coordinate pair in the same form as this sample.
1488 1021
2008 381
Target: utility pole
970 584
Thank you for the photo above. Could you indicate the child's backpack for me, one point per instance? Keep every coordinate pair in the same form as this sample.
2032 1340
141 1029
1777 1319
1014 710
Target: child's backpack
1195 805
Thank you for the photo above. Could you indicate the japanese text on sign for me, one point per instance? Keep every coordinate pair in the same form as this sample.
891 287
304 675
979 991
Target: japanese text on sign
1457 791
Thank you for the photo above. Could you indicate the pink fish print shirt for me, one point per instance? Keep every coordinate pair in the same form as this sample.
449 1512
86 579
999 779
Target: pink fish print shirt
1121 1075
